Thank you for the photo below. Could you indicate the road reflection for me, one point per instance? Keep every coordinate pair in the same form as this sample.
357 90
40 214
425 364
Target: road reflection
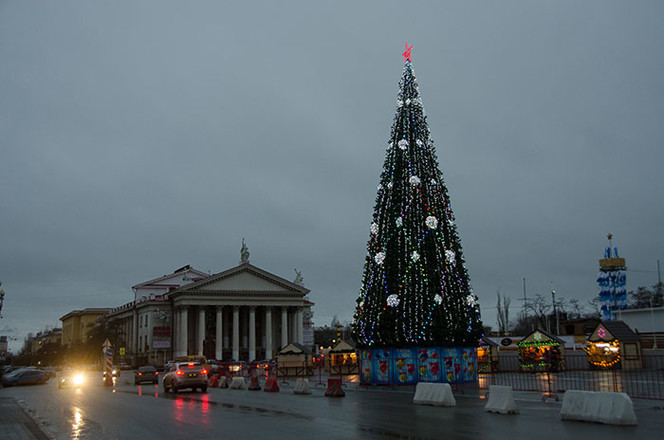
187 409
77 424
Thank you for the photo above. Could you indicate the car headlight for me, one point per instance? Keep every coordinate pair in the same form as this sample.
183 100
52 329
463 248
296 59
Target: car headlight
78 379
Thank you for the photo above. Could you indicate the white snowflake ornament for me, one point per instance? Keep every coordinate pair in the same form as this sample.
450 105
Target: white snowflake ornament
393 300
374 228
471 300
431 222
415 256
380 256
414 180
403 144
450 257
438 299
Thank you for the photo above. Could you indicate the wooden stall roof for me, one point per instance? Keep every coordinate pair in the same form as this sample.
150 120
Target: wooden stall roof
543 337
294 348
613 330
343 347
487 341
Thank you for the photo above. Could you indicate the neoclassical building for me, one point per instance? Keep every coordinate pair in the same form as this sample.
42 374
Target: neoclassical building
243 313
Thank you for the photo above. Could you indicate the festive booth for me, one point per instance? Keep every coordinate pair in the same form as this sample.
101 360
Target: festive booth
294 360
614 345
541 351
487 356
343 359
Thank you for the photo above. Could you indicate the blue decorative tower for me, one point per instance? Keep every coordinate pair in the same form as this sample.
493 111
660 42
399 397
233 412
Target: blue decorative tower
612 279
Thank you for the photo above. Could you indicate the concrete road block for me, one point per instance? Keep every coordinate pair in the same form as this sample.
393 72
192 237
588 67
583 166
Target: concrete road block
600 407
237 383
437 394
301 386
501 400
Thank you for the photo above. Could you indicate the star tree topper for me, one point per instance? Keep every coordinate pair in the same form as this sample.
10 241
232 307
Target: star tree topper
406 53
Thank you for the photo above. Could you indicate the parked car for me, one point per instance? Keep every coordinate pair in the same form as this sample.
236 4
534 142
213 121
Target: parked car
71 378
147 373
185 375
24 376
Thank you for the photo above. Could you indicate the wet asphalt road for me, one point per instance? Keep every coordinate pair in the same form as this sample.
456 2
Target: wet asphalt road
145 412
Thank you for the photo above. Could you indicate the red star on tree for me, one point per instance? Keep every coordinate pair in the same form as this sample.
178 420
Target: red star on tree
406 53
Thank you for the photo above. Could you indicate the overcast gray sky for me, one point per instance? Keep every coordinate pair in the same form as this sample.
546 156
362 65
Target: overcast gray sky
137 137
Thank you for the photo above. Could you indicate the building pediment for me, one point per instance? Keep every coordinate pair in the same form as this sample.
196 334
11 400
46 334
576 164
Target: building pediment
245 279
181 276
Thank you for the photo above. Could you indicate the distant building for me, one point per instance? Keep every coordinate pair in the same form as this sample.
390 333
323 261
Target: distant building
243 313
34 343
647 323
78 323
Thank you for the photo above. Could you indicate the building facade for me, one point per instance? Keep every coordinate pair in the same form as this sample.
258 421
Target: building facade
78 323
244 313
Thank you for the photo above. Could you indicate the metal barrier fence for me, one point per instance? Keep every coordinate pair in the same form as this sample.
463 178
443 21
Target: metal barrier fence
644 383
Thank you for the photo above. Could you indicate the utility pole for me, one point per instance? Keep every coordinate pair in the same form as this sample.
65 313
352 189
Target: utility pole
555 309
652 312
525 308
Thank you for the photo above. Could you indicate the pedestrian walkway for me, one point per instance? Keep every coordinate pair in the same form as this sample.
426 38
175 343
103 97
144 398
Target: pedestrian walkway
17 424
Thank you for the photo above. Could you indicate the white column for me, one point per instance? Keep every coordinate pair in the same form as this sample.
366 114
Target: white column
268 333
299 326
148 335
218 351
284 326
201 328
252 334
292 326
236 333
184 348
175 334
134 339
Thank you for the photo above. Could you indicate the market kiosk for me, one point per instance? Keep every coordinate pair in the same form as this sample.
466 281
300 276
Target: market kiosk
612 344
343 359
541 351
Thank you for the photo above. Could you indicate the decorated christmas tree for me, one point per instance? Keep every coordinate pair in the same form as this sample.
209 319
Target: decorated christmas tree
415 288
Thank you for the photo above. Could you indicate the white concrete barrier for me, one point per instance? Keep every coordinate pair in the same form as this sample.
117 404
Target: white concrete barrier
237 383
437 394
601 407
301 386
501 400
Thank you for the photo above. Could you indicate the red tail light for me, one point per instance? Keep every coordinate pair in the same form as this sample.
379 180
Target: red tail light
156 372
140 374
204 372
179 373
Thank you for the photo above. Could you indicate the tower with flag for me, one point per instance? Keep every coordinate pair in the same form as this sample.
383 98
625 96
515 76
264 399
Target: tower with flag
416 316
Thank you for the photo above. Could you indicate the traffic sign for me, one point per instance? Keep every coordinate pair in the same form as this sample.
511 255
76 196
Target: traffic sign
122 351
109 352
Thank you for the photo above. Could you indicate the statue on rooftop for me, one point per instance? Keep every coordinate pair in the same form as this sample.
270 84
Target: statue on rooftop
244 253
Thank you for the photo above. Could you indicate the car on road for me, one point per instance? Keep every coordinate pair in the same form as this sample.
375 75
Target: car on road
71 378
147 373
186 375
24 376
